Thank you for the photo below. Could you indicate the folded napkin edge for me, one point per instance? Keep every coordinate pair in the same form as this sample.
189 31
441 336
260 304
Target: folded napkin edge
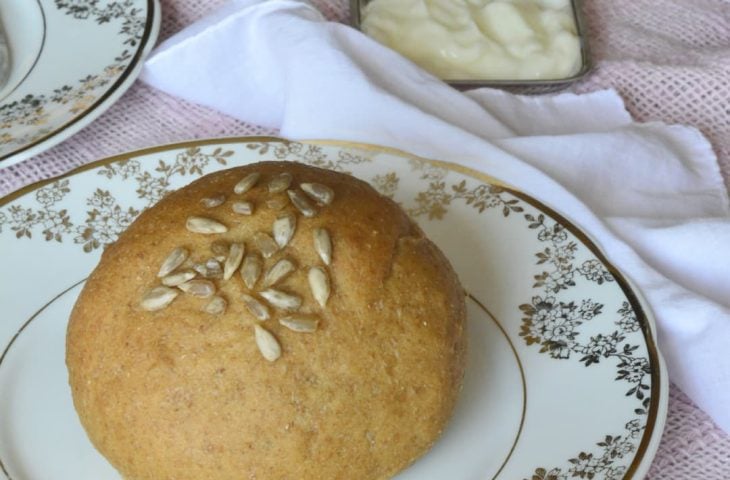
703 149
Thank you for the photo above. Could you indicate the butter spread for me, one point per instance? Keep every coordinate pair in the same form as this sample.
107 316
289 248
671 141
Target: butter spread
480 39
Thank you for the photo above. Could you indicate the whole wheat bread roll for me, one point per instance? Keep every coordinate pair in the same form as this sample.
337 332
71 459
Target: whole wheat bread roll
172 385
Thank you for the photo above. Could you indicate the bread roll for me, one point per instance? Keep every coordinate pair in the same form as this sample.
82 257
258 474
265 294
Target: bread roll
331 363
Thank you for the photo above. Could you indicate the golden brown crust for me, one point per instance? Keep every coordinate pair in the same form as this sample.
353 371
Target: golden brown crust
181 394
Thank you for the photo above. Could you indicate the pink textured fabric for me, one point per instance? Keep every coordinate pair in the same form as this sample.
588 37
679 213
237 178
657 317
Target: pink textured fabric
669 59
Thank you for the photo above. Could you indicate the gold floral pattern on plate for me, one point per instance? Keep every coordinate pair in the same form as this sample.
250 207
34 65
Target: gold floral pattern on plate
574 308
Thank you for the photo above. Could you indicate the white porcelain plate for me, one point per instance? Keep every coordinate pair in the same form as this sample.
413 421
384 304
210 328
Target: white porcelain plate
69 61
563 381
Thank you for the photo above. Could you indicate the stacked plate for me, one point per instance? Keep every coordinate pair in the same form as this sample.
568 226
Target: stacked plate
69 61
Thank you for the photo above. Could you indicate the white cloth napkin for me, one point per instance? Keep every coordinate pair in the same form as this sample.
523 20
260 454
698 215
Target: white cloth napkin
651 194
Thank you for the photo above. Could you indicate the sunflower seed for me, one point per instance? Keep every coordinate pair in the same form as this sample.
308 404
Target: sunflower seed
280 182
205 225
235 256
322 194
175 279
158 298
198 288
319 283
242 208
212 202
278 271
265 244
216 306
251 269
173 260
278 202
214 267
246 183
301 202
256 307
267 343
323 244
282 300
284 227
210 269
300 323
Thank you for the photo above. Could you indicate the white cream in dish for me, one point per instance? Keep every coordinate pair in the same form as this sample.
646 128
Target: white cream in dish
480 39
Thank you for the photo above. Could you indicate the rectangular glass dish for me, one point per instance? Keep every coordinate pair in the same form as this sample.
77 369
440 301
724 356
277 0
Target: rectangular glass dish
519 85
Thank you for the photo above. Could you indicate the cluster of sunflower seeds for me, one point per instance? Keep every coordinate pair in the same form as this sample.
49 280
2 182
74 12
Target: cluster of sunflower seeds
179 275
175 280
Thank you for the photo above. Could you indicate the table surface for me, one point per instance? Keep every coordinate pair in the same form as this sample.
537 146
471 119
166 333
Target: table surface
668 59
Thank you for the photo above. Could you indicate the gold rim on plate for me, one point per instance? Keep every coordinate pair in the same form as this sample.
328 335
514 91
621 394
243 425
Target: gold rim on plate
655 362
